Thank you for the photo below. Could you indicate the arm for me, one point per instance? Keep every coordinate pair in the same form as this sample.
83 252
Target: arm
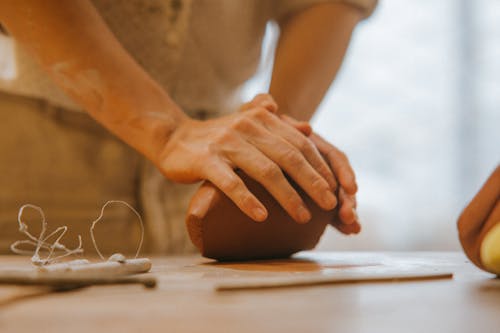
310 51
79 52
73 44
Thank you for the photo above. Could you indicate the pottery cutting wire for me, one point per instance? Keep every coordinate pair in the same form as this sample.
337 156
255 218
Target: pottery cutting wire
48 271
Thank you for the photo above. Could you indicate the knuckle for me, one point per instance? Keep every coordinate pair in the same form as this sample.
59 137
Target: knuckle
319 184
292 156
293 200
260 113
323 169
349 203
230 184
270 171
226 135
344 214
305 145
213 148
242 124
308 147
267 98
247 199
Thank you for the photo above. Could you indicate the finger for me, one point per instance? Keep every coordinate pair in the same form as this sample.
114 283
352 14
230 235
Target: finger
347 211
291 160
302 126
339 163
202 200
224 177
347 229
344 223
259 167
261 100
304 145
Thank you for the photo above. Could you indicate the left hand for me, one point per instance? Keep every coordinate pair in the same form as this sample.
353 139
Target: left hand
347 221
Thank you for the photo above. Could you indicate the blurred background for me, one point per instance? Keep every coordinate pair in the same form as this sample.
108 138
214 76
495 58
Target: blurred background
416 107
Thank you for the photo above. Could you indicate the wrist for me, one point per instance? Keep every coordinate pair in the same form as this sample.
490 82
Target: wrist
145 120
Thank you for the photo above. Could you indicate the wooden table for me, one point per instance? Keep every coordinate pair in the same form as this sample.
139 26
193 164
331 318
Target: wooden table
185 300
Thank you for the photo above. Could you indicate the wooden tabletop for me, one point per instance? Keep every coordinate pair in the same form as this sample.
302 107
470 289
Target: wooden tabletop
186 300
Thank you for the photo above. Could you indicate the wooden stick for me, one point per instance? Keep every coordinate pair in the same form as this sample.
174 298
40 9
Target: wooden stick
63 282
316 279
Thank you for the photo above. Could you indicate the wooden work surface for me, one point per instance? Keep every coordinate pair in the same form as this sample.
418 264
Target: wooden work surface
186 301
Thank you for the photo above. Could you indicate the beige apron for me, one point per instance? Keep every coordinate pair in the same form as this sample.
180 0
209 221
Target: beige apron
70 166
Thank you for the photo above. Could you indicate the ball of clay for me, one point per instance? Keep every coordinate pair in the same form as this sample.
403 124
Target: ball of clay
220 230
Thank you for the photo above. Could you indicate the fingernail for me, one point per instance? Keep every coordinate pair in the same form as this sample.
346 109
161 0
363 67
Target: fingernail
303 214
259 214
329 200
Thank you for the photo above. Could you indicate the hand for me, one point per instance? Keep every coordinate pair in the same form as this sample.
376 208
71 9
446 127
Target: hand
347 221
262 145
479 217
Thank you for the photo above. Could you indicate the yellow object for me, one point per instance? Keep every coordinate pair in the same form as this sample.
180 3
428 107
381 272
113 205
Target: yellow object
490 250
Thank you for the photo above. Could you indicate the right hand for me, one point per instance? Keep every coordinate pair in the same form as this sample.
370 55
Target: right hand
346 221
262 145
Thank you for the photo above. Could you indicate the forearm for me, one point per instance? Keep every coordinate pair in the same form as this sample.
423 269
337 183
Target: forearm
310 50
76 48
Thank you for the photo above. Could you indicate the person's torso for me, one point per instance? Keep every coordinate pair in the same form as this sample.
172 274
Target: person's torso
199 51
